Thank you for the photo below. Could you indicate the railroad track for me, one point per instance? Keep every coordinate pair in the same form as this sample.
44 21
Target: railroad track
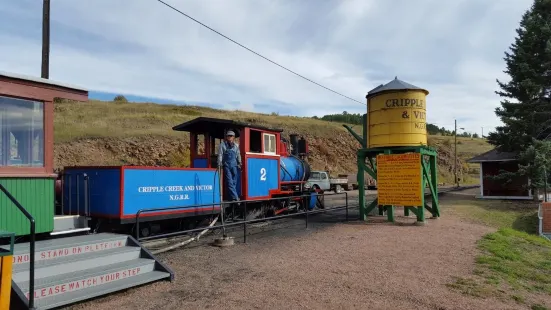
159 245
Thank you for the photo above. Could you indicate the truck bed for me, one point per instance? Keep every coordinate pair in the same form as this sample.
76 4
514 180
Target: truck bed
338 181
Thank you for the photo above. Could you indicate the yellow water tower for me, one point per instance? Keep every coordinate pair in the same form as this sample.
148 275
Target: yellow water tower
396 115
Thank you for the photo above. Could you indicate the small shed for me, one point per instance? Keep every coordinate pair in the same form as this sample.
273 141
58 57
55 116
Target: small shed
491 163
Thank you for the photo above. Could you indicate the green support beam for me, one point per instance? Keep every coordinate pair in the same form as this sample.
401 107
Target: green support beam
429 178
355 135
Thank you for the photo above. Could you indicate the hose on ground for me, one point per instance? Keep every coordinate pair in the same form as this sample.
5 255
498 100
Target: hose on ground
183 243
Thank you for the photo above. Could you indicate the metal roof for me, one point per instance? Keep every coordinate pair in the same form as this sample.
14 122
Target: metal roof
217 126
39 80
494 155
394 85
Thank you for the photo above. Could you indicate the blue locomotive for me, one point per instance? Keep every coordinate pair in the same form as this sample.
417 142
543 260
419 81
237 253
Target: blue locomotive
183 198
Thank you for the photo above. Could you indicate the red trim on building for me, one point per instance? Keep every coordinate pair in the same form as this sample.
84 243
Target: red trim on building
546 215
45 93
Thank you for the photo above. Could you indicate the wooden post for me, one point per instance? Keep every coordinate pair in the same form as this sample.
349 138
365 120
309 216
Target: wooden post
45 39
5 281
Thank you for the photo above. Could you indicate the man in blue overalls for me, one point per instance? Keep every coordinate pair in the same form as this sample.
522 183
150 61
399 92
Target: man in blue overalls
229 158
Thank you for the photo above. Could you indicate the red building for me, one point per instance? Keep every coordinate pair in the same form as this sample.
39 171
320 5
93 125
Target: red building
491 163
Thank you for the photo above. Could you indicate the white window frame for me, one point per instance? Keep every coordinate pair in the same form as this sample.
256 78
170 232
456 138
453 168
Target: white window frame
272 146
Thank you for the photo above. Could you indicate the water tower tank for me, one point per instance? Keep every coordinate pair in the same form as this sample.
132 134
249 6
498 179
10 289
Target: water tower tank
396 115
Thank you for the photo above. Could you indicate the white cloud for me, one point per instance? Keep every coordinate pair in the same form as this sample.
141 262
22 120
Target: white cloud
140 47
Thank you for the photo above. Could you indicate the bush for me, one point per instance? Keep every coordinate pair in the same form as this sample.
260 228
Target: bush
120 99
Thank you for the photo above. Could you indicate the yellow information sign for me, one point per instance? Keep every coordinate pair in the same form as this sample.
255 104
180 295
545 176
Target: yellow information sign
399 180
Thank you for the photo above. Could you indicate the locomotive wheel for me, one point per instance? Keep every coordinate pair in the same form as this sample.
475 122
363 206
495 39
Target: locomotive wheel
145 230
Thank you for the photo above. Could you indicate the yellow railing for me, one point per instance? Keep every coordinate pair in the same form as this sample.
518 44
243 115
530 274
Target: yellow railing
5 281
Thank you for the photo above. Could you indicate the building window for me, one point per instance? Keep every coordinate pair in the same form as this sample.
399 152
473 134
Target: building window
21 133
269 144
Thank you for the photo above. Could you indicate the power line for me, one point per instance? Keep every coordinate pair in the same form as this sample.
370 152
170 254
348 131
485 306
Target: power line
250 50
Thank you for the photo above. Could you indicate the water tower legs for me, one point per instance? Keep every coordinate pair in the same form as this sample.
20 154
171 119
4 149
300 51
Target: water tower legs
428 178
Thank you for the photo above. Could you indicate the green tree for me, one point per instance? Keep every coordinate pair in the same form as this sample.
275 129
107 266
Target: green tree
120 99
526 108
529 67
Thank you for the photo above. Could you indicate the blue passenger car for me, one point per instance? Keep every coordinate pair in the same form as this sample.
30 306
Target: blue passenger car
119 192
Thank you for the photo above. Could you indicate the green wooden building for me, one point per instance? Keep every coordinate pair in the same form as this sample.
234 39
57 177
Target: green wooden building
27 149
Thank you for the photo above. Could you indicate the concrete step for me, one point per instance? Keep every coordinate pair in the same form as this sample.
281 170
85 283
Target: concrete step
63 247
69 231
59 284
96 291
75 263
68 223
77 268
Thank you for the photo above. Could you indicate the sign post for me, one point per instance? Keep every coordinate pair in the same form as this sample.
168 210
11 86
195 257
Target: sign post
6 261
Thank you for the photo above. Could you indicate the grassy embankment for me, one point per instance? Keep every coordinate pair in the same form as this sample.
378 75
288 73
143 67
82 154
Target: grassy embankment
331 143
514 261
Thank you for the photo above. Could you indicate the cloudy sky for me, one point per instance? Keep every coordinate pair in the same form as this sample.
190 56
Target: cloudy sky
147 51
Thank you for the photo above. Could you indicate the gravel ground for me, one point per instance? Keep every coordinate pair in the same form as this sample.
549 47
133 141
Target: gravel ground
329 266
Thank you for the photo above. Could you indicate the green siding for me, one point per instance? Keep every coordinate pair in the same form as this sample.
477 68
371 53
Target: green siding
36 195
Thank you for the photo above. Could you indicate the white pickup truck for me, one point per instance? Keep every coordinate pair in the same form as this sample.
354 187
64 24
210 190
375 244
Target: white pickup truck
321 180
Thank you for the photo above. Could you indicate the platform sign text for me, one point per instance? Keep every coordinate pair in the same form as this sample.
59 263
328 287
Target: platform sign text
85 283
68 251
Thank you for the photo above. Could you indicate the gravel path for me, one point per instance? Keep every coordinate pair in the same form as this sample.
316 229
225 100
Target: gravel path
339 266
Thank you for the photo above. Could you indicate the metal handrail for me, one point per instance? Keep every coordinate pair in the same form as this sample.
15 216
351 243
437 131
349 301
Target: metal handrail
240 222
32 243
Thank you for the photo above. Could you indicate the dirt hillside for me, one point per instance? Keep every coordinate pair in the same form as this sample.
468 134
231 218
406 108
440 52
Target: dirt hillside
107 133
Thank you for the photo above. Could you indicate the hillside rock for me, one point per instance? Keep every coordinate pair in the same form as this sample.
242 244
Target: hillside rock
336 154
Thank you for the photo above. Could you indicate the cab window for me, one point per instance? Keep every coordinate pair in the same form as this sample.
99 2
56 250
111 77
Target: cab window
269 144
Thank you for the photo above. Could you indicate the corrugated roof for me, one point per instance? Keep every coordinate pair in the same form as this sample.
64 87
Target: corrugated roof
39 80
395 84
494 155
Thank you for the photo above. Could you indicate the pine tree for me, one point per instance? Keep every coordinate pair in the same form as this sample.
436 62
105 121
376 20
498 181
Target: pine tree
526 109
529 66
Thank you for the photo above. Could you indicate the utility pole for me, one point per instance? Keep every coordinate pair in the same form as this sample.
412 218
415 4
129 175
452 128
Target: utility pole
455 157
46 39
482 132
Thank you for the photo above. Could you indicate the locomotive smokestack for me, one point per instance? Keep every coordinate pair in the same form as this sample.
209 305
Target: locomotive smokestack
303 147
294 144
